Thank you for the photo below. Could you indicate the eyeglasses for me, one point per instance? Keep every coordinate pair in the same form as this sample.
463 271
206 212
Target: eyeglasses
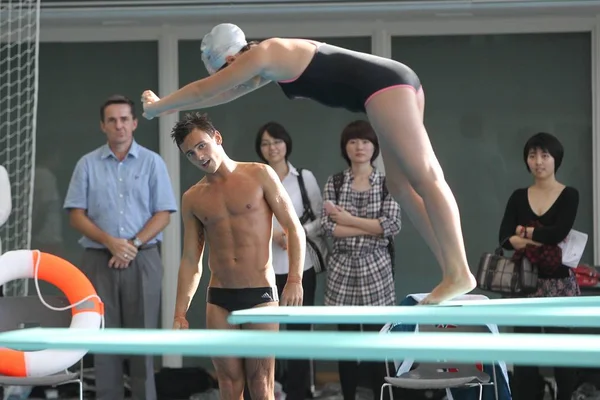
275 143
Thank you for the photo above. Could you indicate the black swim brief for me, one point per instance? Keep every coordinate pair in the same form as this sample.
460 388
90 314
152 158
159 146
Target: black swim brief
241 299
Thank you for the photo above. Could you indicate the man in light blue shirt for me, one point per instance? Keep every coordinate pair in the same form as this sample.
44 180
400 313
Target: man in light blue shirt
120 199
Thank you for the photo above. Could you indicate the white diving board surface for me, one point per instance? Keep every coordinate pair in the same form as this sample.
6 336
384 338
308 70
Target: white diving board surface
540 349
588 317
571 301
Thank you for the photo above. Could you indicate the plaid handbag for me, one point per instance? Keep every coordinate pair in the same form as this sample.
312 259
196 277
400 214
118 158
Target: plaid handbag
499 274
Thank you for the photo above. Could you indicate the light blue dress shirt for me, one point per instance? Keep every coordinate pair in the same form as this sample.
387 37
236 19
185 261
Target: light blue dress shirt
120 196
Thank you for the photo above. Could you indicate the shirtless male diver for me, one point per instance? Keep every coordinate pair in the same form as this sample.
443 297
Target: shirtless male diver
232 209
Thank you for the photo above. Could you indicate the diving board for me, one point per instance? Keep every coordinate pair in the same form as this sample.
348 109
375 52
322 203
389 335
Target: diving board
571 301
551 350
588 317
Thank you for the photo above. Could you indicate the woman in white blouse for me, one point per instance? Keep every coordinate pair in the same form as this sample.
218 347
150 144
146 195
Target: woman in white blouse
274 146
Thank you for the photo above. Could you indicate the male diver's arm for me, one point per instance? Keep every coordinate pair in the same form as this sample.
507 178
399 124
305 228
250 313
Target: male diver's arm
190 268
283 209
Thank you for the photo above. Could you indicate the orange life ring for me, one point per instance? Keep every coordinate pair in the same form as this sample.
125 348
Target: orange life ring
87 309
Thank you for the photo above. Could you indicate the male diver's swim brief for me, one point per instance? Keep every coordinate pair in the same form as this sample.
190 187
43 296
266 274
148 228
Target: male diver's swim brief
241 299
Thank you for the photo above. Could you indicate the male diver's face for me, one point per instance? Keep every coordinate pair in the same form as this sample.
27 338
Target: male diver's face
203 150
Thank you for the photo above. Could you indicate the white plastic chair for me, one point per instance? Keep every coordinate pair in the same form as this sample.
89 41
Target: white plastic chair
443 374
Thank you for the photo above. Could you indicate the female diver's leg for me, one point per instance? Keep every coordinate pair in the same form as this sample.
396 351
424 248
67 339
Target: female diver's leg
409 199
398 120
404 193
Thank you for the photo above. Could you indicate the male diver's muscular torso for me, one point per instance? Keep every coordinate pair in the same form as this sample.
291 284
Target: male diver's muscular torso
238 224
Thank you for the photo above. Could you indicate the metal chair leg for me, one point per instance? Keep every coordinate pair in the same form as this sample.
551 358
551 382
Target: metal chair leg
383 388
387 372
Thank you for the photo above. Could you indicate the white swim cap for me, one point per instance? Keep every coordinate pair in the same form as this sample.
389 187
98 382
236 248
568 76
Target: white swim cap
222 41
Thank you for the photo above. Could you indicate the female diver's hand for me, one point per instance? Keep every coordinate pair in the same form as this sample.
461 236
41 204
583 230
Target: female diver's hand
149 99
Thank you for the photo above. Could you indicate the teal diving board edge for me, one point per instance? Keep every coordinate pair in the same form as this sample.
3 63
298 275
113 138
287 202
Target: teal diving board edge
588 317
542 349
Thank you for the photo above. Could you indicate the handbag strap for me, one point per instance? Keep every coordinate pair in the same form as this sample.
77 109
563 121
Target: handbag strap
499 251
305 202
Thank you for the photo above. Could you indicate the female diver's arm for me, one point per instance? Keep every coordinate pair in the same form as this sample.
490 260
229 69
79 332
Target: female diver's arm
230 95
148 98
242 72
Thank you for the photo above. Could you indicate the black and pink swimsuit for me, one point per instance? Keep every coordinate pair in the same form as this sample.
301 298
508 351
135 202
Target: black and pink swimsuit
341 78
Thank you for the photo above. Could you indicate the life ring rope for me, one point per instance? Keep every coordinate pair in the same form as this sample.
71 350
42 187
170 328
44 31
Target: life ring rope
73 305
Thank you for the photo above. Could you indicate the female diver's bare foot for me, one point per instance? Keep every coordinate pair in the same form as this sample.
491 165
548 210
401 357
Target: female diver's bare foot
450 288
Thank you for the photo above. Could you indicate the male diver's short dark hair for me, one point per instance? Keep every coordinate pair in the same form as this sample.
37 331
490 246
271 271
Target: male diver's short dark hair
190 122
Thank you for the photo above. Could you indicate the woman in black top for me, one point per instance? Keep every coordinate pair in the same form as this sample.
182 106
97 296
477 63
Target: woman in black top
542 215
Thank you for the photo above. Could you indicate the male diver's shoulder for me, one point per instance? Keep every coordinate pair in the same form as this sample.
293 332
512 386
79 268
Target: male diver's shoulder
196 189
258 172
253 167
266 171
250 164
